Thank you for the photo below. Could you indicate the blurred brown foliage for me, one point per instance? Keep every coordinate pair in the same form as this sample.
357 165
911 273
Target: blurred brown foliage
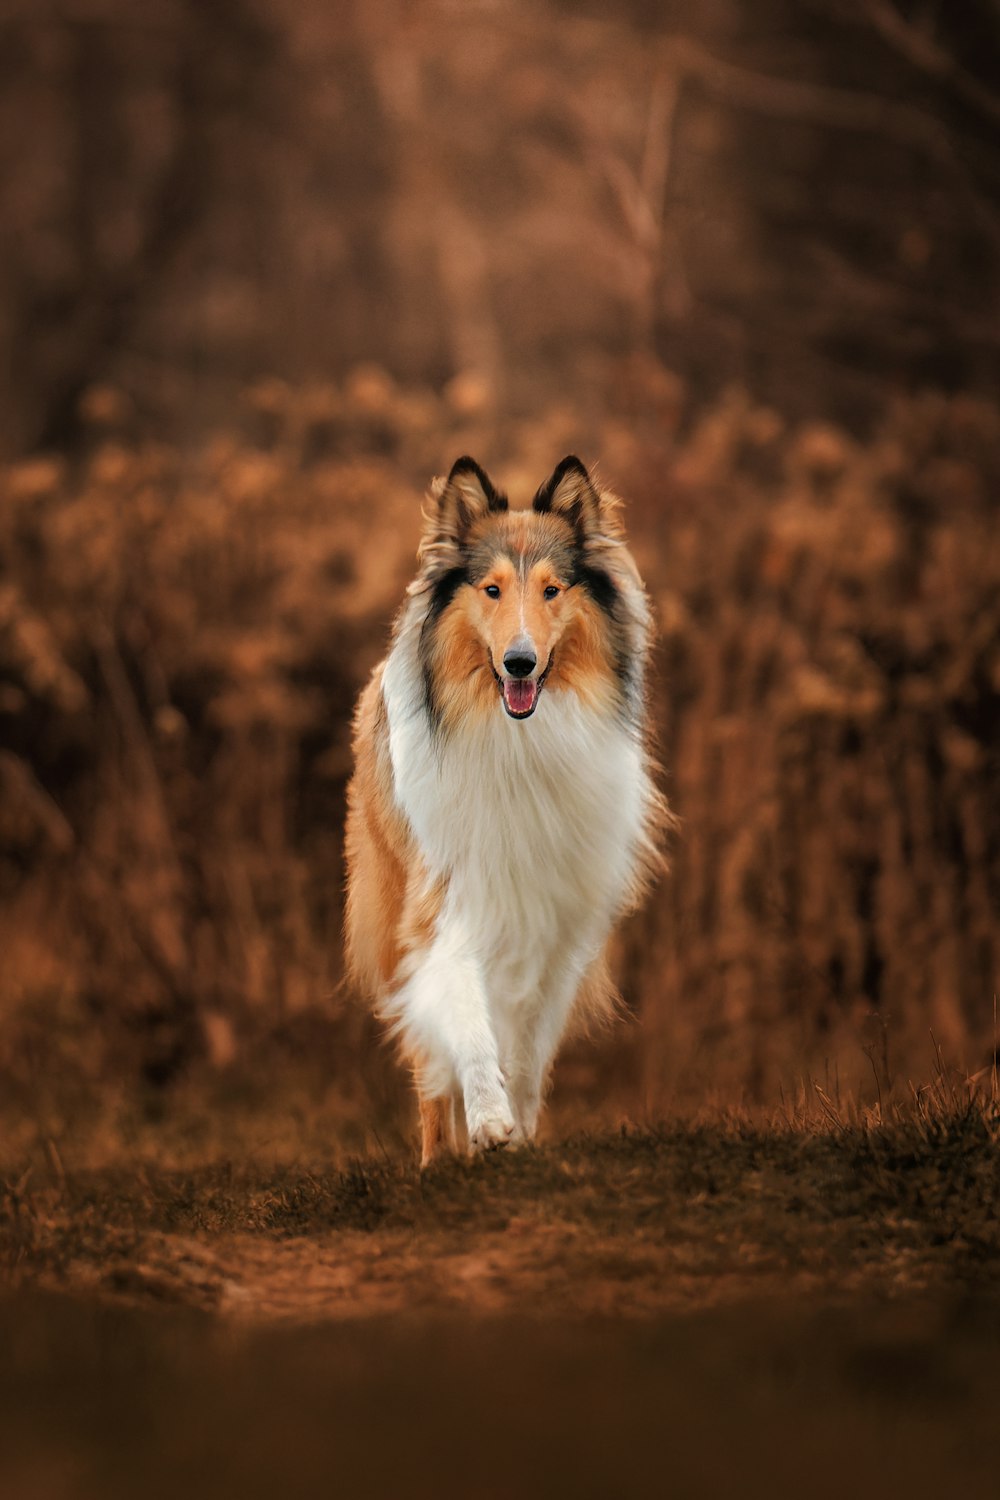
182 635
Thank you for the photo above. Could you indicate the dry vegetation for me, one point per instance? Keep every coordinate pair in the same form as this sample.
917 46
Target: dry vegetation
181 640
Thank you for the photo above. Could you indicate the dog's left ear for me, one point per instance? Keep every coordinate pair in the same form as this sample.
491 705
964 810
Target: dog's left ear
569 492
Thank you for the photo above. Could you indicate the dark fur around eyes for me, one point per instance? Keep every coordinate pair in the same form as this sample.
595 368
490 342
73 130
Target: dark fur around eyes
443 591
599 586
566 559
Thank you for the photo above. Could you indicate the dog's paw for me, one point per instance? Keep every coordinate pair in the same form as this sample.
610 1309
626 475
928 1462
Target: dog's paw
491 1132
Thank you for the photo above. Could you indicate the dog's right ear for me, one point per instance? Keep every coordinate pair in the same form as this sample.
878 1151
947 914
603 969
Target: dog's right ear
463 498
453 507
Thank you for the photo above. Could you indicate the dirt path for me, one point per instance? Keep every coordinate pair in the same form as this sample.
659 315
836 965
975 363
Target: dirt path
624 1225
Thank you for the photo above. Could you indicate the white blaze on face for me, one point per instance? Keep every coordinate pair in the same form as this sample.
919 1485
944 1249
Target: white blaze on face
520 688
519 625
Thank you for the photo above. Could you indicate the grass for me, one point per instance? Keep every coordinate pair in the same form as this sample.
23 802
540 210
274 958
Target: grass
629 1221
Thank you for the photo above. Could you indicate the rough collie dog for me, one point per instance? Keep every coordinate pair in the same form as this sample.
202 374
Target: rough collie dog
502 814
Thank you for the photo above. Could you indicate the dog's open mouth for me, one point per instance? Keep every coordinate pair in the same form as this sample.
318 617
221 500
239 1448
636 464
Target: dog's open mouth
520 694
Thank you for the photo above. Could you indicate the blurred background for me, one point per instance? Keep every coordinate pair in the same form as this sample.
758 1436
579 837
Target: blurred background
268 265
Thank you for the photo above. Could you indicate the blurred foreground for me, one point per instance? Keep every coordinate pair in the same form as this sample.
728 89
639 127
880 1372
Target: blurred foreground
709 1311
101 1403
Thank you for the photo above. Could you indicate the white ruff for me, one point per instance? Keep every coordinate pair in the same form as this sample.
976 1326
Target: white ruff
535 827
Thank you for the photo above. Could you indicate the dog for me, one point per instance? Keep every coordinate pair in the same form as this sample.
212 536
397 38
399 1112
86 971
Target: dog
503 813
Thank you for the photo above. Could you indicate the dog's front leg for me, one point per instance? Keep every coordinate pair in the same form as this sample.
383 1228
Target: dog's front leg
530 1080
444 1017
543 1028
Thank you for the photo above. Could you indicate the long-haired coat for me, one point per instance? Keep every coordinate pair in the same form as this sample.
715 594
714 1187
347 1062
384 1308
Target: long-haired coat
502 814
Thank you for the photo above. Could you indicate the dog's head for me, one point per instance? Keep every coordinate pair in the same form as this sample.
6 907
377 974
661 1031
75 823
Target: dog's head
524 600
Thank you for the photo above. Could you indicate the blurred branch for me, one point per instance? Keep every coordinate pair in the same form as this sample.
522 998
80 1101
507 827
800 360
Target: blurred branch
841 109
655 169
398 48
922 51
844 109
641 194
880 297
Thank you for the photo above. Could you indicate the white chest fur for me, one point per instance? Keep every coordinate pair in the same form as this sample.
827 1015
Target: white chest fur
533 824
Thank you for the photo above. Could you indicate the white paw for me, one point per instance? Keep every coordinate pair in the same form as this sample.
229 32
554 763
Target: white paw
527 1121
490 1131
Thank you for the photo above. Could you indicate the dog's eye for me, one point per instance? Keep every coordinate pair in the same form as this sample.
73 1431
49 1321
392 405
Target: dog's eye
492 590
550 592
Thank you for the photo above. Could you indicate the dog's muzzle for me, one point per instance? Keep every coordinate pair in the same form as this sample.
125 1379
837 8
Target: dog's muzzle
520 693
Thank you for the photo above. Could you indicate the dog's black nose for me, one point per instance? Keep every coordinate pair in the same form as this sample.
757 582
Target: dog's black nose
520 663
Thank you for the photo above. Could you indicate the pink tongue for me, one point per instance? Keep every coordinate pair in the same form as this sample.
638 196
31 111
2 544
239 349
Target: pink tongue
519 694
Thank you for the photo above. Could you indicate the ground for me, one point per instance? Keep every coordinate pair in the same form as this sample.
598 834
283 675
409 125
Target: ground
694 1310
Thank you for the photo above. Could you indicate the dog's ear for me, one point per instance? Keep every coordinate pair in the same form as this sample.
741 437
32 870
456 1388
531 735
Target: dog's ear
569 492
463 498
